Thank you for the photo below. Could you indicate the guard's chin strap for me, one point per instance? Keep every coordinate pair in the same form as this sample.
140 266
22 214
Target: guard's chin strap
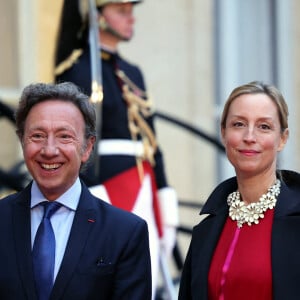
103 25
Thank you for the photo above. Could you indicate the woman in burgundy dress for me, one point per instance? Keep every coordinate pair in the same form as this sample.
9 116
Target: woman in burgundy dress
248 246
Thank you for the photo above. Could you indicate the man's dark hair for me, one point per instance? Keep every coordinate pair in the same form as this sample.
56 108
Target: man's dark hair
67 91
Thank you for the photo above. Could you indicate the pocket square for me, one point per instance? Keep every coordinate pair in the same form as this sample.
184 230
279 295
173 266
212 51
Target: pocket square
101 262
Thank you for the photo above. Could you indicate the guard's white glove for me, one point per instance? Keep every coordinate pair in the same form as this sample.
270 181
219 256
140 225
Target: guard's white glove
168 240
170 218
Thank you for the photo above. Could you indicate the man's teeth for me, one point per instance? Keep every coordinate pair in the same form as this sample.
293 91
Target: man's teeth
50 167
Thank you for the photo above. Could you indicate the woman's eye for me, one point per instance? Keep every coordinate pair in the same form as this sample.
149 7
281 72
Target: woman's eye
265 126
238 124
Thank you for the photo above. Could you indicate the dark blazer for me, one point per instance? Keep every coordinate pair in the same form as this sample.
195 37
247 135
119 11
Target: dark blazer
107 255
285 248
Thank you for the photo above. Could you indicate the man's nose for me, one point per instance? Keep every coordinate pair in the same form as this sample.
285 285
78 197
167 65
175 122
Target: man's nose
50 147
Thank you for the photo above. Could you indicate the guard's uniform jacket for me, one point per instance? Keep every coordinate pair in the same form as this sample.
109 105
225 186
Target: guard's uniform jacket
114 111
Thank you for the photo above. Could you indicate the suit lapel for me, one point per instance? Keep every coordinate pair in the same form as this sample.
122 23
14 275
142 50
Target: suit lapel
22 234
205 240
84 220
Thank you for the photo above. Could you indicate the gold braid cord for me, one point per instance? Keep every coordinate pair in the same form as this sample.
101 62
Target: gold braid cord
68 62
138 109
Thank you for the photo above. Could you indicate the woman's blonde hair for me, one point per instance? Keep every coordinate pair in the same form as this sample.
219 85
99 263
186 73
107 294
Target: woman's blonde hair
258 87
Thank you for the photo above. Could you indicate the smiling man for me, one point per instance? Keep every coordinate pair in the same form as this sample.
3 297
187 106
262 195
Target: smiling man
60 240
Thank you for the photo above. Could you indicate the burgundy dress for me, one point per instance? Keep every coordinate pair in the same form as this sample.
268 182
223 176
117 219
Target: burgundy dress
241 265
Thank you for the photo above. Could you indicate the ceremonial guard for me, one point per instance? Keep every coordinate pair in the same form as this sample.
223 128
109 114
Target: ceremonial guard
131 168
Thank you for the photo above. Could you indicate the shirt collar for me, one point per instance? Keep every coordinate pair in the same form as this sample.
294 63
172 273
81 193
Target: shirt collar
69 199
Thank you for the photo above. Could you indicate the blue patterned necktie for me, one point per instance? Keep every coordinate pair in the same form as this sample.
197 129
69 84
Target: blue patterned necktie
43 252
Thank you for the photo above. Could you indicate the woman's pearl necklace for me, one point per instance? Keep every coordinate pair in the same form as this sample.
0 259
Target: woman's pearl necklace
251 213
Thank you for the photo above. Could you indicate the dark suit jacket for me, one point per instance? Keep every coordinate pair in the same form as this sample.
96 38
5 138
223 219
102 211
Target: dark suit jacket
285 248
107 255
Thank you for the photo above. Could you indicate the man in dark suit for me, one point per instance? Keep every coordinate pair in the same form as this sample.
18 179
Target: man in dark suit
101 252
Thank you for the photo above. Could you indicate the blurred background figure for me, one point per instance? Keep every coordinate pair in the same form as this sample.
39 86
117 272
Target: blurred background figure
130 163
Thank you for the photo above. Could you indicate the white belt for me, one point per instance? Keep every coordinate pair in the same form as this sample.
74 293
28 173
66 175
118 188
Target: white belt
121 147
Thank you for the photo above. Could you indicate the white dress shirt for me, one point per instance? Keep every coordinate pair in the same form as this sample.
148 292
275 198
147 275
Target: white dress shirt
61 220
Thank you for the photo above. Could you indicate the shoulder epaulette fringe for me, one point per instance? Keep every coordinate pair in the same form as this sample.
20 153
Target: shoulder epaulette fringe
68 62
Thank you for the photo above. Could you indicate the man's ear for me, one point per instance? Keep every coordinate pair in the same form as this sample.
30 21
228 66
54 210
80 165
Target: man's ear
88 149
